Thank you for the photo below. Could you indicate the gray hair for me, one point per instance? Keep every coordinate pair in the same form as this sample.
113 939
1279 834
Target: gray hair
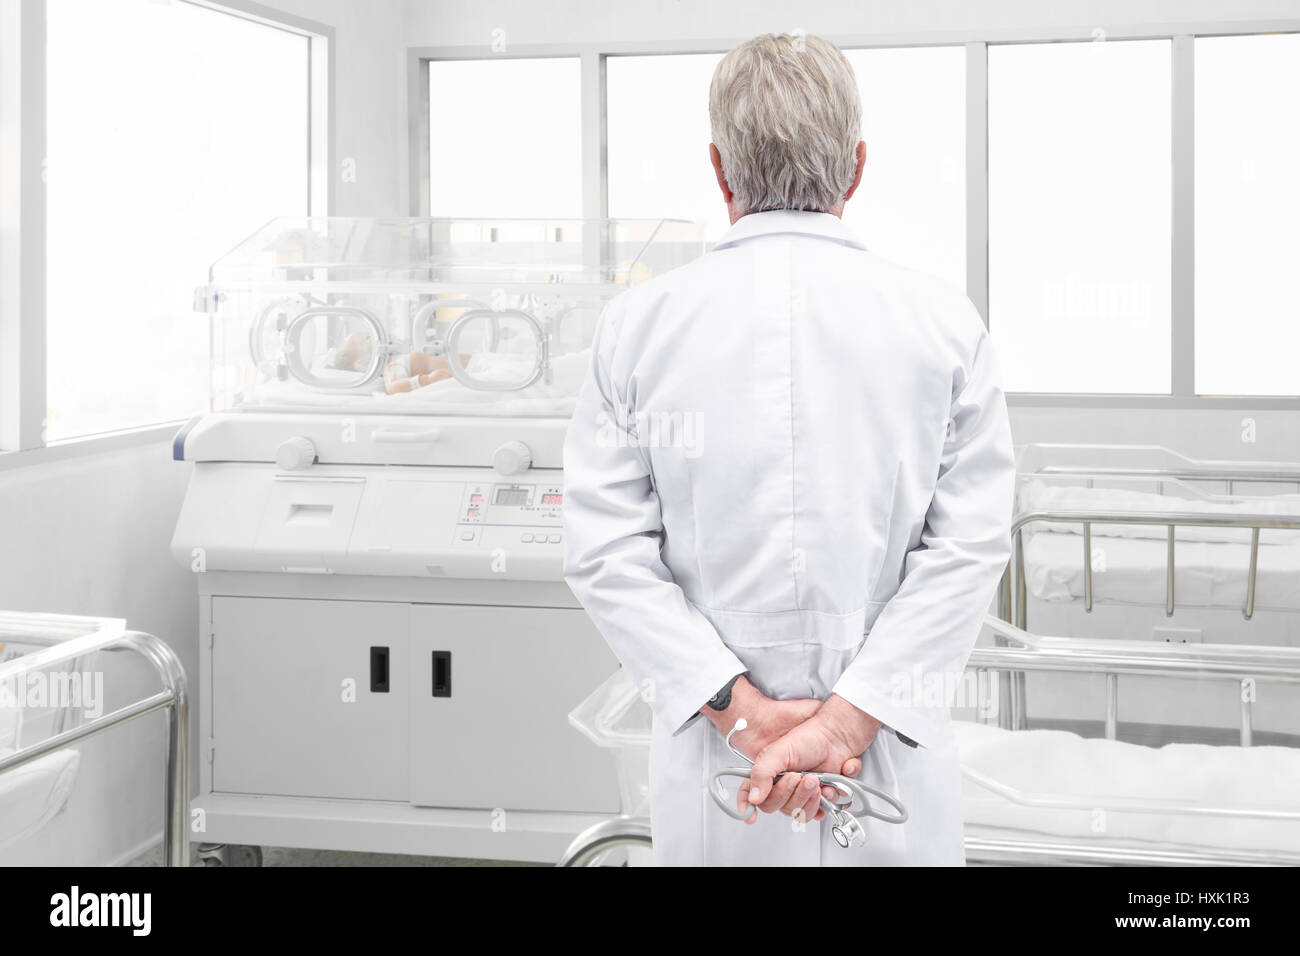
787 119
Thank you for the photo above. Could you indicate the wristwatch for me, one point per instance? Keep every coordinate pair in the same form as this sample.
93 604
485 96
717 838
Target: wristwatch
722 699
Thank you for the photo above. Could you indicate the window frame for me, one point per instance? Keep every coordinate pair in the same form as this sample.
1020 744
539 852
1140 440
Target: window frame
23 316
1181 34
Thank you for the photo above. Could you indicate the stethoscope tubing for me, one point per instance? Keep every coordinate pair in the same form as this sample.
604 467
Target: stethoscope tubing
847 827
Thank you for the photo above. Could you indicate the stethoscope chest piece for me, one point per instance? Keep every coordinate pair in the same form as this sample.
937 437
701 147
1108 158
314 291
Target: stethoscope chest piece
848 831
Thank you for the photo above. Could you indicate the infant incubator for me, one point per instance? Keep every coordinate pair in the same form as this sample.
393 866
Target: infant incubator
419 316
374 520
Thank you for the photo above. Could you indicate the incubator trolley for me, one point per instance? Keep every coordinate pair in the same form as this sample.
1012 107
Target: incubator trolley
374 523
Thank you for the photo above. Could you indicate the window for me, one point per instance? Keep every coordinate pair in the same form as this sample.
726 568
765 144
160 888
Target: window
911 206
1247 207
173 131
505 138
658 116
1079 215
1080 161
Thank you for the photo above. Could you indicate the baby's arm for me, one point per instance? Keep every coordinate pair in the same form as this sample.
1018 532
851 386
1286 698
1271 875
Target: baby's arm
408 372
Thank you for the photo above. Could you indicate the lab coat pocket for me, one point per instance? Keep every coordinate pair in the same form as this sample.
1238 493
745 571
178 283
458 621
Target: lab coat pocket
670 475
888 574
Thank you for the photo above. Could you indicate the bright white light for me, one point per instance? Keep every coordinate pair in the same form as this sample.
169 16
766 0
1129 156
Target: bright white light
1079 215
658 109
173 132
1247 208
505 138
911 206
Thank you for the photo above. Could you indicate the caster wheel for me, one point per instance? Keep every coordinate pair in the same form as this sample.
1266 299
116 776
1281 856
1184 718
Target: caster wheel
229 854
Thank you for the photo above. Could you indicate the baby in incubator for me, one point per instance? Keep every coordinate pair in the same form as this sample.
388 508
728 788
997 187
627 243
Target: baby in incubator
498 377
403 373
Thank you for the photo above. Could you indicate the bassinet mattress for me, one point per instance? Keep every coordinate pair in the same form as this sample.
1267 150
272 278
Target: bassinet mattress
1098 772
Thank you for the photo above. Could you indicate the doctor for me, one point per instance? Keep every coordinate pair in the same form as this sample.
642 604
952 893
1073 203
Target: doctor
789 482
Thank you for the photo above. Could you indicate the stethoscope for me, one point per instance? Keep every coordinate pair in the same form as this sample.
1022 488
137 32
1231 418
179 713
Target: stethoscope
847 829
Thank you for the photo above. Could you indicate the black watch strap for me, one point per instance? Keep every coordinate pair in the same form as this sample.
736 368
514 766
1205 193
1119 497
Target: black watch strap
722 699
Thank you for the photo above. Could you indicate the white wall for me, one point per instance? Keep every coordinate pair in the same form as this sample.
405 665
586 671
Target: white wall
89 534
471 22
369 100
1236 434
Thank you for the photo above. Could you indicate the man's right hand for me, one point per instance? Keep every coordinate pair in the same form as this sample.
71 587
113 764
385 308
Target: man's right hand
766 721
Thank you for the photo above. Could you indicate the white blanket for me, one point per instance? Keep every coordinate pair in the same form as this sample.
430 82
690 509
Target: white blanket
1102 773
448 397
1036 495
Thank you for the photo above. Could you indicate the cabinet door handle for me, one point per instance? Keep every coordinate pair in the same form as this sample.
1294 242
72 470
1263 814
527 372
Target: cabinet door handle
379 670
442 673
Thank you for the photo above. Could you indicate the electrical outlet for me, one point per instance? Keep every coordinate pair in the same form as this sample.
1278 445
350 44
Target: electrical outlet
1177 635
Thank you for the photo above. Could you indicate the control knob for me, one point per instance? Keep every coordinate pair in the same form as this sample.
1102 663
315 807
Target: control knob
512 458
295 453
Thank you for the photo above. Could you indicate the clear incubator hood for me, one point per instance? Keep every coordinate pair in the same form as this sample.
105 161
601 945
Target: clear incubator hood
422 316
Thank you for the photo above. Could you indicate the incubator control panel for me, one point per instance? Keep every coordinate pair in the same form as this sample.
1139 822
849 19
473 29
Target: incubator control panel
503 513
388 520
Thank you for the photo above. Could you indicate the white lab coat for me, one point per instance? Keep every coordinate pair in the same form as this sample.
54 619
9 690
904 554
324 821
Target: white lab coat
792 457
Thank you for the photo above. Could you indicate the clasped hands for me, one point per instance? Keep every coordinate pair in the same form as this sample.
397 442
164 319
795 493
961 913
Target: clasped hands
793 735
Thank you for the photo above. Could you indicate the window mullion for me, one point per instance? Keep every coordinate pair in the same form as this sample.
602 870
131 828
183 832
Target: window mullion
595 179
22 251
977 177
1182 226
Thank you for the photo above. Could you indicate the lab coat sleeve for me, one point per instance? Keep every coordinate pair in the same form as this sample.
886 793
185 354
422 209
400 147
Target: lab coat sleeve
612 535
908 669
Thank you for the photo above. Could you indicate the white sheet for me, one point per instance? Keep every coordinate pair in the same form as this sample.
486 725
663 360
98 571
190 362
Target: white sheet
448 397
31 795
1053 762
1035 495
1210 564
1132 571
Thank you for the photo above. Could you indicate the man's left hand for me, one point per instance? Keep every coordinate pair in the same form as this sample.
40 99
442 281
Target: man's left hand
831 741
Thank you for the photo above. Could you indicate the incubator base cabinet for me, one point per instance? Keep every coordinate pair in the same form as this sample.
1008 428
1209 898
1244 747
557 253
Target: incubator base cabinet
330 719
388 652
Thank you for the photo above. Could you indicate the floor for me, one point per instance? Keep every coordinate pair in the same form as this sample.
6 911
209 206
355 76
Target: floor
286 856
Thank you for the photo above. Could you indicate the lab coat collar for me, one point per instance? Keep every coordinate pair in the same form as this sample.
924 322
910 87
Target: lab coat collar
778 221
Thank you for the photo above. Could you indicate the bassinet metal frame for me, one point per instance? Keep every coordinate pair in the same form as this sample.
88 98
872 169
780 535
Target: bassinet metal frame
1013 597
173 697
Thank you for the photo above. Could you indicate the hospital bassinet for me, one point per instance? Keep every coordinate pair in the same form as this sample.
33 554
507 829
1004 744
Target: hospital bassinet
1142 543
51 702
1077 796
1144 526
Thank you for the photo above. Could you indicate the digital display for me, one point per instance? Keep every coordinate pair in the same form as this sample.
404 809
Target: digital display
552 499
511 497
